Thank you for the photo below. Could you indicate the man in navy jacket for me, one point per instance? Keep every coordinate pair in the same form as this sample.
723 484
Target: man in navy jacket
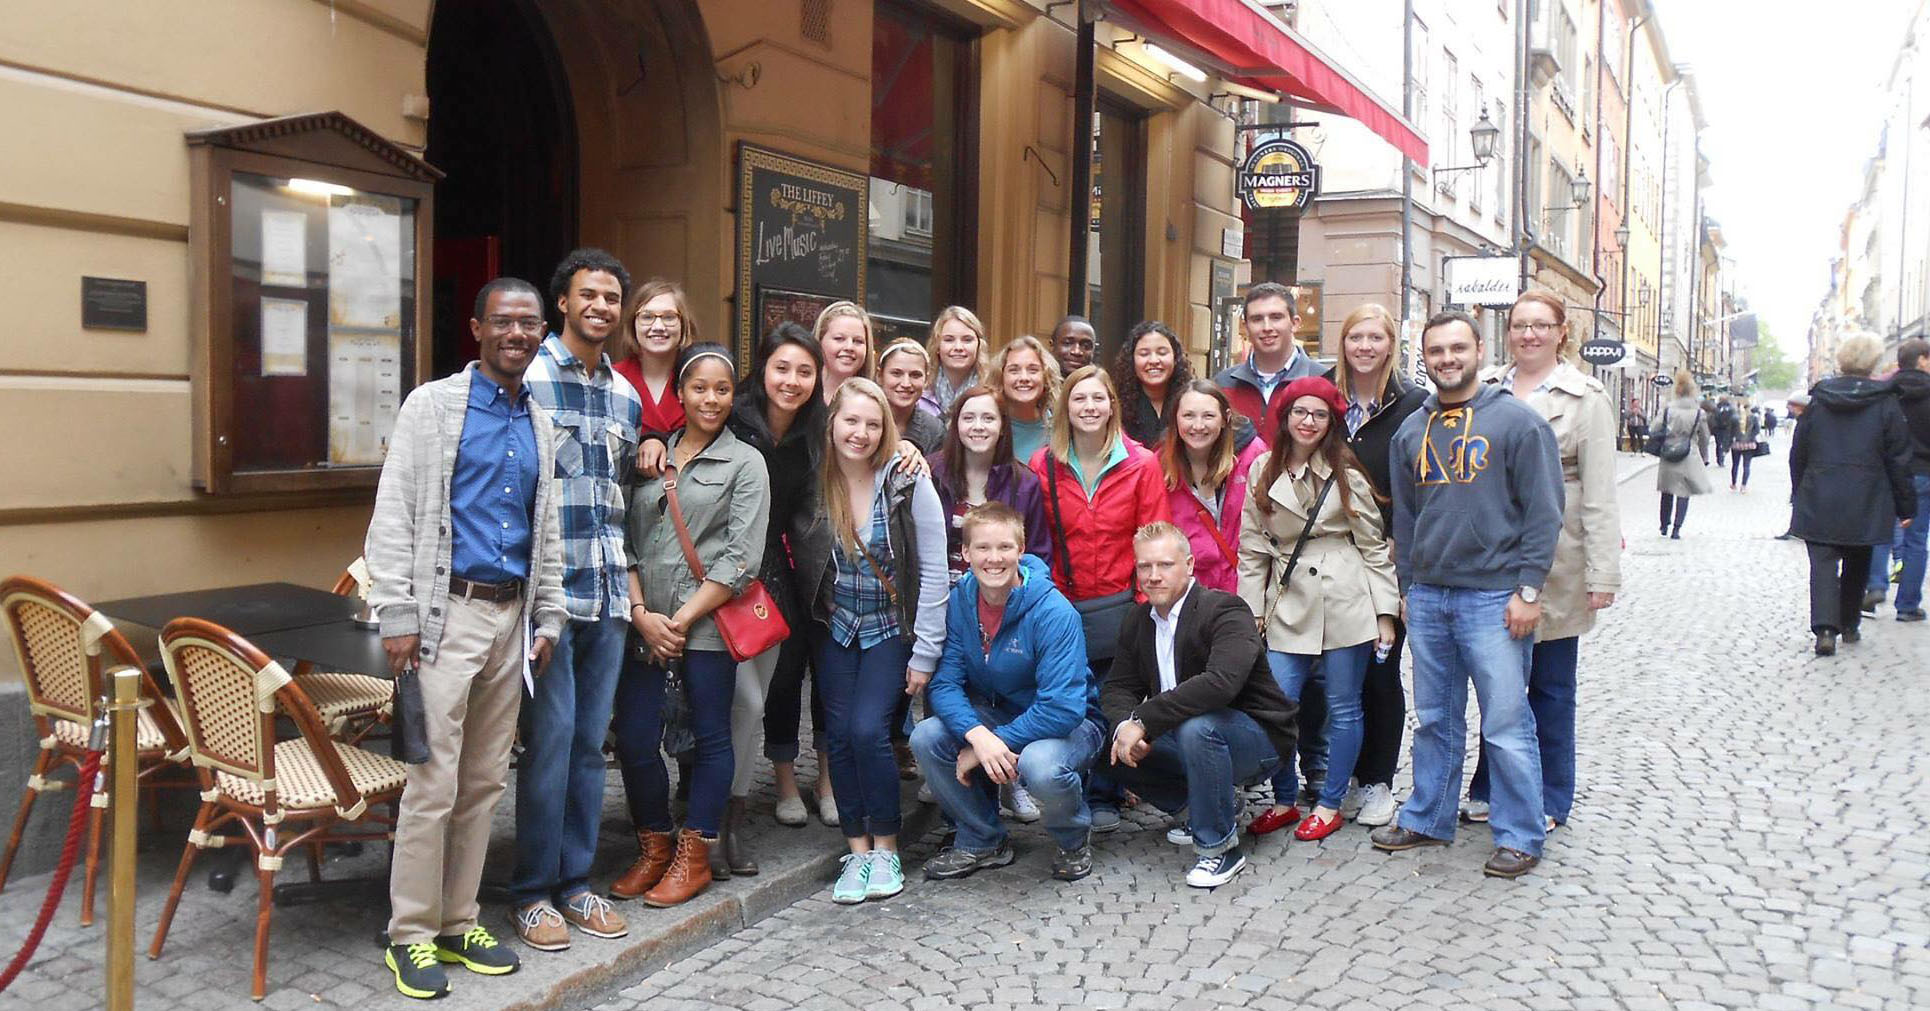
1015 703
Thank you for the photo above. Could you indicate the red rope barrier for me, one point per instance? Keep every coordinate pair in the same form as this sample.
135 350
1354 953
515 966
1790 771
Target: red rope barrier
83 797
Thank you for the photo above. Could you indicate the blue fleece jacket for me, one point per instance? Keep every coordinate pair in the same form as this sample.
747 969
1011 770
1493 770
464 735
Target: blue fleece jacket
1035 684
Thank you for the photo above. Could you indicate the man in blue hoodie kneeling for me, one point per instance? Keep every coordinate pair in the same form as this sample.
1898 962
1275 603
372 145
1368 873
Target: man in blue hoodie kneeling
1015 702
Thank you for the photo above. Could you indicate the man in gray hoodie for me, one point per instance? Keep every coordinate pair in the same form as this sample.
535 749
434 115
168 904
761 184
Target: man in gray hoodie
1477 509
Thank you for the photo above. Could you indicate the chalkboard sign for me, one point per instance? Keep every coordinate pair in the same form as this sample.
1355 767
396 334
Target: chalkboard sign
801 232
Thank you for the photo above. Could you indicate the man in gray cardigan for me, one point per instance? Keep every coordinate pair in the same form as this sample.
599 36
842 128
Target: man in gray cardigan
466 580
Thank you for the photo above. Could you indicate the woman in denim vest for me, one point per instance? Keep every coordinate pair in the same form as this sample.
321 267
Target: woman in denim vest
871 567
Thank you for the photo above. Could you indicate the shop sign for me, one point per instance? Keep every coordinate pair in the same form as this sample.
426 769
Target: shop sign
1278 174
802 230
1661 382
1603 352
1482 280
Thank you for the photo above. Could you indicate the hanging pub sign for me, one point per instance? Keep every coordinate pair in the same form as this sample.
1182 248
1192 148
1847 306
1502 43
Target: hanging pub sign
1482 280
801 239
1278 174
1661 382
1603 352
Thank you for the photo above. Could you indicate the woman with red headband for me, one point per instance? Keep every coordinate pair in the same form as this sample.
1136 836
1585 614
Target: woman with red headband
1316 570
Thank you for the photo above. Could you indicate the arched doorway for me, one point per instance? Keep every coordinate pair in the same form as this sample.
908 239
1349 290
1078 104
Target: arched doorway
502 127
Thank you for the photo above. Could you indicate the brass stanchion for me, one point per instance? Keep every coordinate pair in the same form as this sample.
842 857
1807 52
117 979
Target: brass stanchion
124 813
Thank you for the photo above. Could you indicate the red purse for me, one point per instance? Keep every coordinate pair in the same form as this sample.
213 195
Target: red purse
749 622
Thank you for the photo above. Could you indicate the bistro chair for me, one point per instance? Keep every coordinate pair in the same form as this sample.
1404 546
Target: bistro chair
351 705
67 652
296 794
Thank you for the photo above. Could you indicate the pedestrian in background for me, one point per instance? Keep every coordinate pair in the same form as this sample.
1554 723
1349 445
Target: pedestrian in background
1749 436
1795 406
1722 425
1587 572
1378 400
871 563
712 500
960 357
1850 466
1314 568
1638 425
1912 383
1678 480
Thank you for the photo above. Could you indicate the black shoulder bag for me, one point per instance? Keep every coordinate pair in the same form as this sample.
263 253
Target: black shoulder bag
1101 616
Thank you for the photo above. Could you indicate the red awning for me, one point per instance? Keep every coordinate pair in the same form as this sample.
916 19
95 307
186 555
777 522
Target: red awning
1252 48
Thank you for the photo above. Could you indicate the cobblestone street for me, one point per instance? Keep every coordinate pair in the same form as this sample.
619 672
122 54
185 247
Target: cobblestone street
1751 831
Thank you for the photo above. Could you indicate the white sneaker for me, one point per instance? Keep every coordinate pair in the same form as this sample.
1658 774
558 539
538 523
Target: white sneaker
1213 871
925 796
1350 804
1376 806
1180 834
1018 805
1475 811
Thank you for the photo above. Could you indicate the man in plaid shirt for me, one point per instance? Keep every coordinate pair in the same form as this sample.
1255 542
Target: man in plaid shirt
559 786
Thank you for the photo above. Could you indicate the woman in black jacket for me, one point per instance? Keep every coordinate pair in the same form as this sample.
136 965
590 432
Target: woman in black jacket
1849 464
1378 400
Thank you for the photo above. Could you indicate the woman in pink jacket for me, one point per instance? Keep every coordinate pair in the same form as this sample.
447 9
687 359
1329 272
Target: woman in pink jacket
1206 480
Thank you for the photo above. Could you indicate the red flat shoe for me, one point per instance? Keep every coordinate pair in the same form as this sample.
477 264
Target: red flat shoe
1273 821
1313 828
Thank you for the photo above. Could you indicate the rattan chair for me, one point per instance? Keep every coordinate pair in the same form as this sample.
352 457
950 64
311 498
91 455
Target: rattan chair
350 704
282 796
67 651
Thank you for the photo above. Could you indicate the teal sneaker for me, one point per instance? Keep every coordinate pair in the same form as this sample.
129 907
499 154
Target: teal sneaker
887 875
853 880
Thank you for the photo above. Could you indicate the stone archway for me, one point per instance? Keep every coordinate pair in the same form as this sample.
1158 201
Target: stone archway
650 141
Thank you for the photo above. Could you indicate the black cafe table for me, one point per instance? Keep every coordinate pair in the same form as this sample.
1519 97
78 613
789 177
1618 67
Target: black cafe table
282 620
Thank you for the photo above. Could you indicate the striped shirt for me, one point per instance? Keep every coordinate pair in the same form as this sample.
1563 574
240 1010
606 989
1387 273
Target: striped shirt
600 413
862 612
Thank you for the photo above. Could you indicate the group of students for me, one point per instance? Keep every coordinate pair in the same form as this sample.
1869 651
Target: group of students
1096 581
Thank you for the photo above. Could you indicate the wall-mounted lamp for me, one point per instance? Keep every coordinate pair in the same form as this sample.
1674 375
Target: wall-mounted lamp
1482 137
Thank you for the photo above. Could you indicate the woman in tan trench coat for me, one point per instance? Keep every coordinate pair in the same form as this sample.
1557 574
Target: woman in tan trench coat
1341 599
1587 570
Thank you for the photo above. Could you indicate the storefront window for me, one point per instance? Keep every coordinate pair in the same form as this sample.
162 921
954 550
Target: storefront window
1116 268
920 148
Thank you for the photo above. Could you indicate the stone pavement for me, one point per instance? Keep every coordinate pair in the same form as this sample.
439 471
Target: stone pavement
1752 830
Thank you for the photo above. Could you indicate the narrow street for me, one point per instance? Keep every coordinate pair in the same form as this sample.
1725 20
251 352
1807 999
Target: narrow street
1751 831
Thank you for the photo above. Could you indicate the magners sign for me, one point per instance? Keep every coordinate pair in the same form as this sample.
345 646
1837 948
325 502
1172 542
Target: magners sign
1278 173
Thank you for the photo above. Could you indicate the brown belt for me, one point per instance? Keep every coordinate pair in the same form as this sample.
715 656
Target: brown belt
495 593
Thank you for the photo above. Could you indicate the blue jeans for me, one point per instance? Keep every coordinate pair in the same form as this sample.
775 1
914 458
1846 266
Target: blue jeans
860 689
1551 694
1201 765
709 685
1051 770
1344 671
1459 635
1908 544
559 780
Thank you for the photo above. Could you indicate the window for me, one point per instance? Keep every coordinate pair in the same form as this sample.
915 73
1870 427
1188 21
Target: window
921 88
1587 109
1566 44
1449 135
1501 198
1419 82
1612 47
1560 213
1612 172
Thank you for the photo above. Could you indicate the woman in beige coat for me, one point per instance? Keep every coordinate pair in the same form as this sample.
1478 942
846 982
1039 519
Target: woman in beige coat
1587 571
1683 418
1340 597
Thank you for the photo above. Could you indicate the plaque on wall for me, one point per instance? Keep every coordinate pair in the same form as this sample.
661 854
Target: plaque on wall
802 229
112 303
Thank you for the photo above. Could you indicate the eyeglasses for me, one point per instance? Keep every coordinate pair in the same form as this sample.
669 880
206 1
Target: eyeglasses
504 324
670 320
1303 414
1540 329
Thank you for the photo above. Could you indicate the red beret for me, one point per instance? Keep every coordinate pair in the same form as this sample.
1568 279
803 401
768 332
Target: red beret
1314 386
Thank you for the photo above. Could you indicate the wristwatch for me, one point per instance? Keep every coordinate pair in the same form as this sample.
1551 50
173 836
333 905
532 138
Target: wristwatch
1528 594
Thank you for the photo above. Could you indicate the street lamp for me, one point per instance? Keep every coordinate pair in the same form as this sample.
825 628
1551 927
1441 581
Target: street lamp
1578 192
1482 137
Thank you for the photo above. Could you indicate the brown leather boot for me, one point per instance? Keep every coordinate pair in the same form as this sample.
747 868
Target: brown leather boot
689 872
737 850
719 867
654 859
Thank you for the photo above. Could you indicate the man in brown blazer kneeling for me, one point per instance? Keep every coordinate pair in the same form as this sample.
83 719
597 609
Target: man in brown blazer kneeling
1195 713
